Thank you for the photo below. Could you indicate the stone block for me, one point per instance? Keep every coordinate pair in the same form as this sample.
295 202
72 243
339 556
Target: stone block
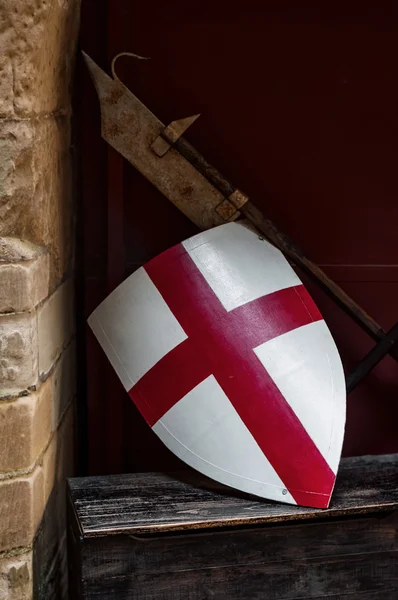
18 352
29 503
55 325
21 509
6 86
64 383
24 275
36 183
16 577
25 428
38 41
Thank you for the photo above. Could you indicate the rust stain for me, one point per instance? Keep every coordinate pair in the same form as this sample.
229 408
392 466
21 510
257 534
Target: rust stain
130 128
112 129
187 191
238 198
226 209
114 96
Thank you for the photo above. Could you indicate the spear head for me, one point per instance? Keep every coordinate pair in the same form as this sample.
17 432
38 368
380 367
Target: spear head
131 128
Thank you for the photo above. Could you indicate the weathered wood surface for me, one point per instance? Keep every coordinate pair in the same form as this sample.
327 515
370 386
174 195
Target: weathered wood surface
157 537
154 502
353 576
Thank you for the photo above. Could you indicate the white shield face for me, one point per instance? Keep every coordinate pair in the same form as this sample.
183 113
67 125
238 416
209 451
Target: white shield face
230 362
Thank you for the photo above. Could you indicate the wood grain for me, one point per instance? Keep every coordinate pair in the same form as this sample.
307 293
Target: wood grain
182 537
283 580
165 553
154 502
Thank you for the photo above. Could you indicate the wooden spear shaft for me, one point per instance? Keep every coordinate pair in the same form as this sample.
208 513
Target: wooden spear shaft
372 359
286 245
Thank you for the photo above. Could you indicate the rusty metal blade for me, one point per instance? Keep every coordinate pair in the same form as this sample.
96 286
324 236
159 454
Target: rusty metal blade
131 129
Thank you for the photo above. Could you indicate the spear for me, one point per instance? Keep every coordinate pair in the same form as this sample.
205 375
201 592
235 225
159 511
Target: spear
198 189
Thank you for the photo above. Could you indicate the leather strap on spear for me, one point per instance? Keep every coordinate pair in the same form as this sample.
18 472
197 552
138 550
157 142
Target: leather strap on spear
201 192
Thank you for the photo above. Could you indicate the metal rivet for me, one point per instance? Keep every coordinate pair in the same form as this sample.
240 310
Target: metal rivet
284 492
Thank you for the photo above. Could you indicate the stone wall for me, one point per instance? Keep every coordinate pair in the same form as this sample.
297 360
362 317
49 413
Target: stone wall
37 357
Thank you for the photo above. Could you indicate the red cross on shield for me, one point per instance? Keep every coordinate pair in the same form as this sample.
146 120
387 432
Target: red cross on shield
228 359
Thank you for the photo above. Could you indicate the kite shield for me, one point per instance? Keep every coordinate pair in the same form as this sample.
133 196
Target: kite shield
228 359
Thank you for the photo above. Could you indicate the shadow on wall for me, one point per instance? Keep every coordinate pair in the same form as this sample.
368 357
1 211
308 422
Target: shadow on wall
50 564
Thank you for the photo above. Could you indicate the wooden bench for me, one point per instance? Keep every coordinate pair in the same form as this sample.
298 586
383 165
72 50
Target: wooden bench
183 537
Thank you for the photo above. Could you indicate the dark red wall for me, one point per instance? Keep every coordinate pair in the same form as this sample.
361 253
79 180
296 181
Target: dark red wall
300 109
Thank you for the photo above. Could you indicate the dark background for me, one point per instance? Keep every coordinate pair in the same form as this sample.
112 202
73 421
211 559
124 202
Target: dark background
299 109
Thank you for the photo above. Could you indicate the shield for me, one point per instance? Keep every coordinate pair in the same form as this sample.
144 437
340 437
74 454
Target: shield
228 359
